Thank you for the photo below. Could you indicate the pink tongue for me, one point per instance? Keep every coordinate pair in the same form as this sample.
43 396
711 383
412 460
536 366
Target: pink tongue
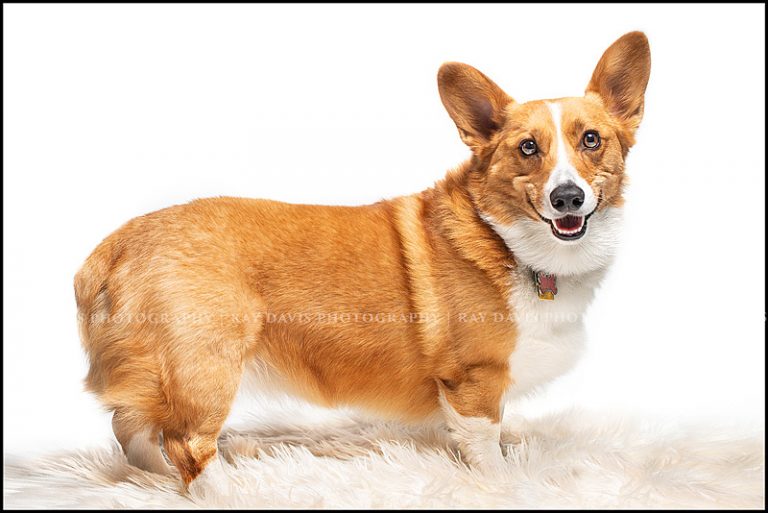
568 222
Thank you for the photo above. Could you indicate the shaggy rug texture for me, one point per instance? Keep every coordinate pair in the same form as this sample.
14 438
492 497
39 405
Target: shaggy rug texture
343 460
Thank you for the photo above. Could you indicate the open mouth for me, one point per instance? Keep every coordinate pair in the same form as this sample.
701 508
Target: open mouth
569 227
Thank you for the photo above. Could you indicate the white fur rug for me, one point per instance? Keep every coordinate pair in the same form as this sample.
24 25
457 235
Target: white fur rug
569 460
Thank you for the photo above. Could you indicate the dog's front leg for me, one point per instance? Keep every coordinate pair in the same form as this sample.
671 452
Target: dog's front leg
472 413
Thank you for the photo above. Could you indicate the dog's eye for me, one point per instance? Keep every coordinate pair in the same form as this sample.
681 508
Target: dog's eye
591 139
528 147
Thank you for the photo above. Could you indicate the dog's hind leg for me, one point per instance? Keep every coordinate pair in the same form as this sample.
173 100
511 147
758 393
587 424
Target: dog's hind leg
140 444
200 396
197 457
193 448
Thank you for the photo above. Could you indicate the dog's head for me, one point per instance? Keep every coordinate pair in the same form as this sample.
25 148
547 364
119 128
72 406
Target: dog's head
549 174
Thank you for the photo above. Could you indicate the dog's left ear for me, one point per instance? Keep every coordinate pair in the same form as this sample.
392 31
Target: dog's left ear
621 77
474 102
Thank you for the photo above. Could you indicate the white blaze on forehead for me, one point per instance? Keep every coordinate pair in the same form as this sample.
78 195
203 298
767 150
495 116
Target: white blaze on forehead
564 171
563 164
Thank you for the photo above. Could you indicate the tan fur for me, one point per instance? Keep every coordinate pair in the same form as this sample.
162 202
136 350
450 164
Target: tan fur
173 304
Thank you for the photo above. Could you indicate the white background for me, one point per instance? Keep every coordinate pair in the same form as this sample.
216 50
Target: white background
112 111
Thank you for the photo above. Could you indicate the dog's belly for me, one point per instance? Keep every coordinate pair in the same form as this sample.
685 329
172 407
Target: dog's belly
399 399
550 334
261 379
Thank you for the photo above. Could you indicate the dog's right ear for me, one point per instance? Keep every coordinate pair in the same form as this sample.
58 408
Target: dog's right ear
474 102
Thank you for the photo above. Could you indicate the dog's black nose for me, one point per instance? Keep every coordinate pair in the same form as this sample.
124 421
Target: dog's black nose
567 197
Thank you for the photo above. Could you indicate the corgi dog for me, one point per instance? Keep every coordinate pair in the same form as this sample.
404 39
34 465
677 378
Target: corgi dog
440 305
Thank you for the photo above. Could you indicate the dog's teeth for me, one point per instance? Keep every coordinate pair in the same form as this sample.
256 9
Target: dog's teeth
569 230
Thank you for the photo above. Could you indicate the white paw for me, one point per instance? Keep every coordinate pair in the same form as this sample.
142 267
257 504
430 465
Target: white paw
213 482
144 452
486 458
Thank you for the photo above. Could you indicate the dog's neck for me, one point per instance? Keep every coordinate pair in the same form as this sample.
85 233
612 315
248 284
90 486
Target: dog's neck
452 214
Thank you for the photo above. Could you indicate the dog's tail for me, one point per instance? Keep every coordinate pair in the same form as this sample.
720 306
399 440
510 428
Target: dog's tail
95 306
91 293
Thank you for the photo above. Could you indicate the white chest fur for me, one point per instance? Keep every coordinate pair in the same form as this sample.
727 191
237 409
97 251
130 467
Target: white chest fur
550 334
